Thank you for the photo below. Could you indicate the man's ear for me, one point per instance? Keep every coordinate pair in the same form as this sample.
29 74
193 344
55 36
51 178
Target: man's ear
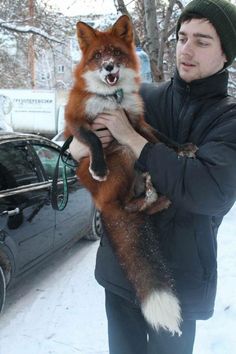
85 34
123 28
225 60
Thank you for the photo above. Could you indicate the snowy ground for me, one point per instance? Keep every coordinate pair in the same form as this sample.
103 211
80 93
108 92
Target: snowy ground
217 335
60 309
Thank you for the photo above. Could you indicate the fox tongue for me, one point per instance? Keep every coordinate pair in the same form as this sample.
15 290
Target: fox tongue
111 79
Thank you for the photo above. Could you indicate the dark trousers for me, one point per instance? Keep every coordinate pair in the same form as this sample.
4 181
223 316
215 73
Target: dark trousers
129 333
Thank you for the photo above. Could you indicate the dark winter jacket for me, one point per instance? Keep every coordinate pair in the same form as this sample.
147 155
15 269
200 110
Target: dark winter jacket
202 190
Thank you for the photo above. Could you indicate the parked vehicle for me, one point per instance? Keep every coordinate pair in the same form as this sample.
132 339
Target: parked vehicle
59 138
33 111
30 229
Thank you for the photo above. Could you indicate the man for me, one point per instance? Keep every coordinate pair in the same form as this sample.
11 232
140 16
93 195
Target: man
192 107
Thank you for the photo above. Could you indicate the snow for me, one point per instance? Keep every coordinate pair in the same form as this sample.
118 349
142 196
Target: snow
217 335
84 7
59 309
28 29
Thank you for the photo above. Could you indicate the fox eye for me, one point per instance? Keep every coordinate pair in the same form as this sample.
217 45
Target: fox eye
117 52
97 55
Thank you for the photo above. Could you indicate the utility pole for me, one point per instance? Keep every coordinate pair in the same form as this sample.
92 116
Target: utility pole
31 62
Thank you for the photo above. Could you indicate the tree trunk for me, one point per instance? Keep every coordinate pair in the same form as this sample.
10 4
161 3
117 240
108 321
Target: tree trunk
152 39
164 36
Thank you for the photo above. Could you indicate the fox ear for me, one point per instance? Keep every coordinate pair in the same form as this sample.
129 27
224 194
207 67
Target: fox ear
123 28
85 34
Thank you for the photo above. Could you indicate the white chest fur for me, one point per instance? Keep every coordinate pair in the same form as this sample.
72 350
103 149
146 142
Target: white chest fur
96 104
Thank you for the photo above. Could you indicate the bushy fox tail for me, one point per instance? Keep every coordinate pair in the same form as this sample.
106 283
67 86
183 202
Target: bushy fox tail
136 246
161 309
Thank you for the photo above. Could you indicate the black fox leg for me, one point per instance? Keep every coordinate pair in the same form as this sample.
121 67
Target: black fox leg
187 150
98 167
154 136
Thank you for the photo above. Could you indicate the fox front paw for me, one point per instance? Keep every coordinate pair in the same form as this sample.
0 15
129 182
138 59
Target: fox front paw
99 175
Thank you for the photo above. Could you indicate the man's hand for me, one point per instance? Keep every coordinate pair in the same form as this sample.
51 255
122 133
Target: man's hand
107 126
121 129
103 133
79 150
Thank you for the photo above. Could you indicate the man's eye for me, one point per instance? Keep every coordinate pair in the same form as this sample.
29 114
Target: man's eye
203 44
97 55
182 40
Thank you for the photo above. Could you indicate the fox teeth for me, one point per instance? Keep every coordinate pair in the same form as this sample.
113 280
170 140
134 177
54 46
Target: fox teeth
111 79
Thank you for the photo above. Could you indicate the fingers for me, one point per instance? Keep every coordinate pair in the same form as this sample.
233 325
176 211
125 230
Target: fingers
108 118
118 124
102 133
105 137
97 126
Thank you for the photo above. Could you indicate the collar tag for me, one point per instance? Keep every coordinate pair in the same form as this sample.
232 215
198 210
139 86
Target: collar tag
119 94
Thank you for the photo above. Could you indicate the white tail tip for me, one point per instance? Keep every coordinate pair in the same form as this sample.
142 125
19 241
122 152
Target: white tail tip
162 309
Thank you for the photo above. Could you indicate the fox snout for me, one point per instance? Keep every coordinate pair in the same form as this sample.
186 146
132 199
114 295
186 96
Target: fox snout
110 72
109 66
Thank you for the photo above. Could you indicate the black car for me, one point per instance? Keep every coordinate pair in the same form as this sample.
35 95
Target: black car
30 229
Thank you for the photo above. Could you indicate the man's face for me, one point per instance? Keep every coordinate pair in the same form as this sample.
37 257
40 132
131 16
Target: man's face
199 52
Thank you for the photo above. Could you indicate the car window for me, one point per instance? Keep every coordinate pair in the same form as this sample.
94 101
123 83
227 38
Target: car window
16 166
48 157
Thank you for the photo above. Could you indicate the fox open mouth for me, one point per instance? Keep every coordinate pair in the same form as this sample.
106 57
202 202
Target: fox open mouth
111 79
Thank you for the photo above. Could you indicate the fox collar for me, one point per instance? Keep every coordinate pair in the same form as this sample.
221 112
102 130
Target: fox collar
118 95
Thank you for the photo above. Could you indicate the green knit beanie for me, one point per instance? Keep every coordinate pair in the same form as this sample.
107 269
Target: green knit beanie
222 15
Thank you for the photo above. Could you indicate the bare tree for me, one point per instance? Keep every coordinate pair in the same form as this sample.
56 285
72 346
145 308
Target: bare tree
14 27
152 38
30 28
163 37
155 22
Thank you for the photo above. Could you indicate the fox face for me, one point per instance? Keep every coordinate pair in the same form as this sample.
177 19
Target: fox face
109 61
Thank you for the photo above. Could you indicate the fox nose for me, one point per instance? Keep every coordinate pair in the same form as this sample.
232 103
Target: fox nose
109 67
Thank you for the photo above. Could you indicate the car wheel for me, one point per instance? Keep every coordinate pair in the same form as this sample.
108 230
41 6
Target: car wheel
2 289
96 227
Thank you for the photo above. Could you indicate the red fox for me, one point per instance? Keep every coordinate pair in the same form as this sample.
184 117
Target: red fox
107 78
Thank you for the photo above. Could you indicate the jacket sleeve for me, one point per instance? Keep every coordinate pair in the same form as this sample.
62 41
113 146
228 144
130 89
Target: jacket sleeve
203 185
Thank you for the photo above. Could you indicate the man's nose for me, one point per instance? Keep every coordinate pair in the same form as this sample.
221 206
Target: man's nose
187 48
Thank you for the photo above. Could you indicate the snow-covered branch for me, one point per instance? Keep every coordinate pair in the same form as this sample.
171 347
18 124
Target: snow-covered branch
27 29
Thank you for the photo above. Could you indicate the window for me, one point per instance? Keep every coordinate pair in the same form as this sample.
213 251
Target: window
45 76
60 69
48 157
16 166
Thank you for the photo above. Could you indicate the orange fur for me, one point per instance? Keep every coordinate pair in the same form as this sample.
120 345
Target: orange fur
108 64
120 36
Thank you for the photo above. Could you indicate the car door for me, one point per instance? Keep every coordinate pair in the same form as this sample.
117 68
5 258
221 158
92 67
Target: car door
75 220
28 220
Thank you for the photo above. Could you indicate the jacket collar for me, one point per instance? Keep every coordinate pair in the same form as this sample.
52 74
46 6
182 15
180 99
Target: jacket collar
208 87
